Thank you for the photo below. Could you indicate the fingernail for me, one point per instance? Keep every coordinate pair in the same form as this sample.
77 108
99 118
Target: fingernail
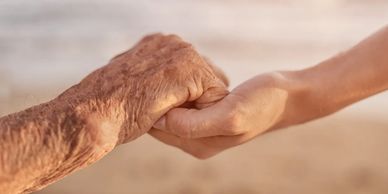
161 123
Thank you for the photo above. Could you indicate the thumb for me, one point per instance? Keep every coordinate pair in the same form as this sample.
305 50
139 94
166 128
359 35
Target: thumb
193 123
211 96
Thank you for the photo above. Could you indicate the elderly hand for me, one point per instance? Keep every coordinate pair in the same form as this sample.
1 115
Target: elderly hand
249 110
115 104
137 87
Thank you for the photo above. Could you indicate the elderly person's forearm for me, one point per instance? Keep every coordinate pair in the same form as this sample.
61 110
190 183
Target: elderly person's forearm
46 142
113 105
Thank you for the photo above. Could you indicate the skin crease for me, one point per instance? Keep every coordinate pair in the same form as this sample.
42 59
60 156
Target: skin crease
113 105
278 100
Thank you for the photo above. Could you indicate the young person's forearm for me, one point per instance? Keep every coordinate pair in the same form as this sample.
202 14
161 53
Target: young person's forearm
338 82
353 75
45 143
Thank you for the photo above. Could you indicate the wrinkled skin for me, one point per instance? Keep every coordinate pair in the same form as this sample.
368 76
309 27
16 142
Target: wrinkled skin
142 84
115 104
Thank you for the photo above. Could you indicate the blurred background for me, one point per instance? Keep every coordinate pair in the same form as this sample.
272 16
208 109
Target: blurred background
47 46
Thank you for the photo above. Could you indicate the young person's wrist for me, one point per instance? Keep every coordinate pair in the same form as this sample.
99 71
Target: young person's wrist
316 91
304 102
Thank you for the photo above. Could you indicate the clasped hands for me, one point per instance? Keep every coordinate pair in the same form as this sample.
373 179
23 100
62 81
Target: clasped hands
163 87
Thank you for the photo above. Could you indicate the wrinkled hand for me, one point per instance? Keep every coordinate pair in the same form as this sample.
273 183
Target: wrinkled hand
139 86
249 110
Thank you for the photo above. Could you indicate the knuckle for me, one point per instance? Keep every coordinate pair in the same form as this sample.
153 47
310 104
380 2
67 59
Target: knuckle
233 124
235 118
151 37
174 37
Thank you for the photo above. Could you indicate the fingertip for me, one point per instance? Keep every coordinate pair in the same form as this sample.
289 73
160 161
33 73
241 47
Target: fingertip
161 123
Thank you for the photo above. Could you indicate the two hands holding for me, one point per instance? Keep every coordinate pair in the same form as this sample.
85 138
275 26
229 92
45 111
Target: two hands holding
182 100
163 87
187 104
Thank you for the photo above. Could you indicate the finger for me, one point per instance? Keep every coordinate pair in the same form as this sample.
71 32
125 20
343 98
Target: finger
195 147
211 96
166 138
214 120
217 71
218 89
192 123
202 147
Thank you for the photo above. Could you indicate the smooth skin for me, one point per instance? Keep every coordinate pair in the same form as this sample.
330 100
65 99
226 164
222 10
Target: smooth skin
279 99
